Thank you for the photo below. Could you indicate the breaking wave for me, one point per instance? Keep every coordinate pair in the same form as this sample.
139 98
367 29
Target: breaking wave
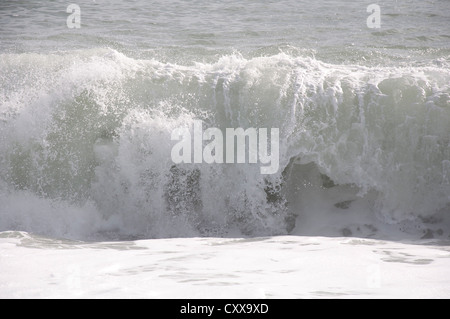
85 144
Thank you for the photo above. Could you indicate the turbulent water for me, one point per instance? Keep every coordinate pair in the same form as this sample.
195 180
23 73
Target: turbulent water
86 117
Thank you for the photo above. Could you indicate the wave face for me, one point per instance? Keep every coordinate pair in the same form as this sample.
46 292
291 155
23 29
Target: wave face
85 143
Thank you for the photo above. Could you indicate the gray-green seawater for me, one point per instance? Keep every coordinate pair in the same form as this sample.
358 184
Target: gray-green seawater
86 116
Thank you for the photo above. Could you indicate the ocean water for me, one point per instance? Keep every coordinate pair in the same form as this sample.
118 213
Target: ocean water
86 116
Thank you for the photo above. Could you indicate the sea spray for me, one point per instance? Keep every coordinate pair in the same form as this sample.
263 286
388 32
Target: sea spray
86 140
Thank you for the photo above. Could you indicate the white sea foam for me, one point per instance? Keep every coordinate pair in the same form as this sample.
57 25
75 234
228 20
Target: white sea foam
85 139
270 267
